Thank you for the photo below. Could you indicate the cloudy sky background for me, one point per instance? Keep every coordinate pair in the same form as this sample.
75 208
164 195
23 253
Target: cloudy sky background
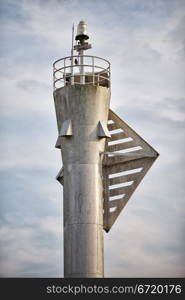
144 41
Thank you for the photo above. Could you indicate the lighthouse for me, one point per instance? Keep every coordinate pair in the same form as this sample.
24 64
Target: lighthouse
103 159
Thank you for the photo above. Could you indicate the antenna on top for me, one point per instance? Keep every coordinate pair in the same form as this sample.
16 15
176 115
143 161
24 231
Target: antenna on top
72 48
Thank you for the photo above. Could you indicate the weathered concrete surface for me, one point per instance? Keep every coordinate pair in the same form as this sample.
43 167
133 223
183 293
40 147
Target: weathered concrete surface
85 106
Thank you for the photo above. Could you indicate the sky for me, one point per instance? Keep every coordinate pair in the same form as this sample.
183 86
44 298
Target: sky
144 41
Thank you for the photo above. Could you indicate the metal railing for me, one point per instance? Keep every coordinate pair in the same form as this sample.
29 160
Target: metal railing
69 71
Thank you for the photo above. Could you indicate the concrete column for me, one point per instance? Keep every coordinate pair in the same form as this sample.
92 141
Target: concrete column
85 106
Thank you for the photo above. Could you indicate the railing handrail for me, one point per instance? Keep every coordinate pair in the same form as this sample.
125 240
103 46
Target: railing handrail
60 74
79 65
98 57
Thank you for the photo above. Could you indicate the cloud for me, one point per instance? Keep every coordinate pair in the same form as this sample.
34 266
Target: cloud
161 255
19 251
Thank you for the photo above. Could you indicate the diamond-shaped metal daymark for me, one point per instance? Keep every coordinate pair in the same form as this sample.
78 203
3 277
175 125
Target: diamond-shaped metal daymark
126 161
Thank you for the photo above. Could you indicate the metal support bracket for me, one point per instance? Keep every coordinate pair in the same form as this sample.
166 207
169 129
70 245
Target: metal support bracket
58 143
66 129
60 176
103 130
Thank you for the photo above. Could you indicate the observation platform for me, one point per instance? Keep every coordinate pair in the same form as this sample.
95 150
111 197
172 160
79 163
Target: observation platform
77 69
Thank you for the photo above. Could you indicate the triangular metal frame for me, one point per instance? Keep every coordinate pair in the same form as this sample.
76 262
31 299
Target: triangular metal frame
140 156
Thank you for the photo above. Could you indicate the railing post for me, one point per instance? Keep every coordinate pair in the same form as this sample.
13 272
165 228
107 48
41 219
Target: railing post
64 71
72 71
109 85
54 77
82 75
93 68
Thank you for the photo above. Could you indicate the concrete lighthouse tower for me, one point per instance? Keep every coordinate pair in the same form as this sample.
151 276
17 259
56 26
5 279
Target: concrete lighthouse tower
88 137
